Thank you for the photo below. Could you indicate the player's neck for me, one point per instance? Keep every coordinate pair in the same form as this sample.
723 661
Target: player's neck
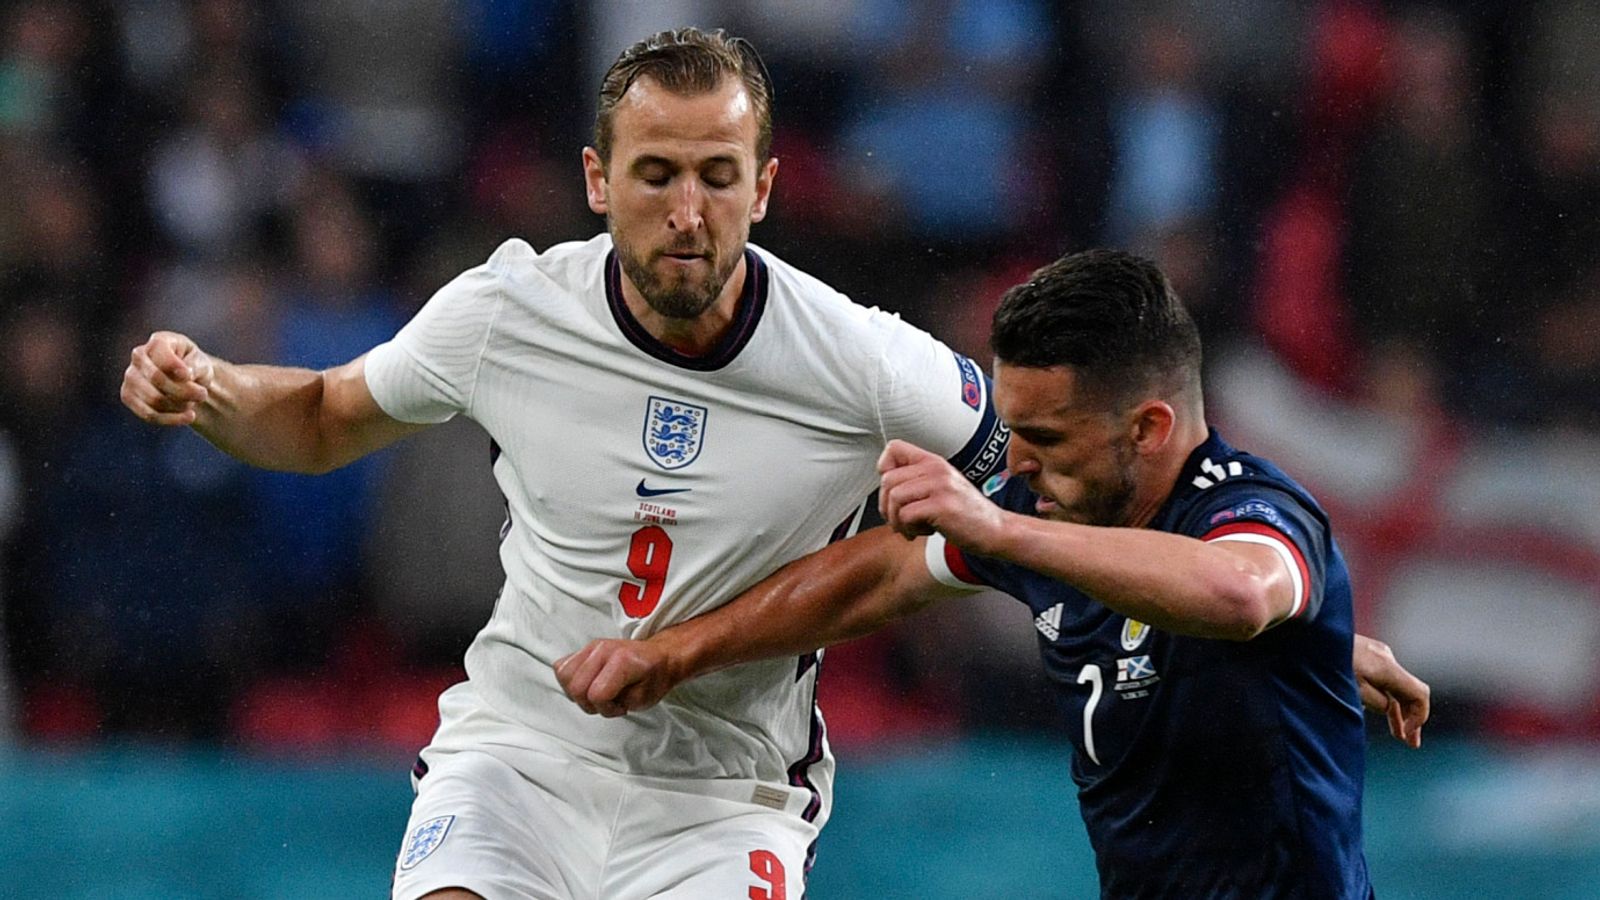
1189 433
691 337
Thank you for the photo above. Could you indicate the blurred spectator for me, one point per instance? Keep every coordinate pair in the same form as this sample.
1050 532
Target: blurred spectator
518 185
137 606
1420 214
59 254
1297 300
1165 133
523 68
614 25
1199 129
216 177
225 306
162 41
376 94
43 40
1539 351
375 85
42 386
310 529
937 135
813 45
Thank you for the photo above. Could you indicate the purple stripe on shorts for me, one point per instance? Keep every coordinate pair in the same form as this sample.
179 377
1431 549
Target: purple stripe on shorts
797 772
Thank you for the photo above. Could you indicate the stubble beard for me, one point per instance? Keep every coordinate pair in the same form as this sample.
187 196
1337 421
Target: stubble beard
1109 505
683 298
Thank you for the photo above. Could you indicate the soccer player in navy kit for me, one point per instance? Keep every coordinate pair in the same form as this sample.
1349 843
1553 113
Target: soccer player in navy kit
1193 610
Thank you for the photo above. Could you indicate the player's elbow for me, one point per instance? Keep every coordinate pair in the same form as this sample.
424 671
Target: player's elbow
318 459
1244 608
314 459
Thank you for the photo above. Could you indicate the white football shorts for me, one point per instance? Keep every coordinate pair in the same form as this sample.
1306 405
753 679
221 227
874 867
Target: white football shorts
558 829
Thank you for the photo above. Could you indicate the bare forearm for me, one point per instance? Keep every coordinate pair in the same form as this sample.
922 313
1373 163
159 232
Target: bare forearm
264 415
842 592
267 416
1176 583
291 419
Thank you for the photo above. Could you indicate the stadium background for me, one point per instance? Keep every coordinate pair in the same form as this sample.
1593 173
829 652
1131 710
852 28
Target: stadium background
1386 217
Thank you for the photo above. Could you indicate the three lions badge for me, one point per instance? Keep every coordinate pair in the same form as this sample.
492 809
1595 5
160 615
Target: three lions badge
673 432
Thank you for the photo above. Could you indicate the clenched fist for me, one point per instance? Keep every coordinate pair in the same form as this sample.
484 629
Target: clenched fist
167 380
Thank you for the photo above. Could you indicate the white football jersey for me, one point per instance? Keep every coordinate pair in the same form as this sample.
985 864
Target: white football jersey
644 487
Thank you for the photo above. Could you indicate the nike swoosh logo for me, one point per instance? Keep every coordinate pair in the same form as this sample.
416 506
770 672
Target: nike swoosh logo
643 491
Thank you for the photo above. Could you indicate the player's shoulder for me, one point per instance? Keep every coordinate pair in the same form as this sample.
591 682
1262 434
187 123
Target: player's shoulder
1221 482
1217 464
525 284
803 298
570 263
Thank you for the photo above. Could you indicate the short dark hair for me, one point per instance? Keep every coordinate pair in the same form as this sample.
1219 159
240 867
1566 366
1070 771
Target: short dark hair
1111 316
687 61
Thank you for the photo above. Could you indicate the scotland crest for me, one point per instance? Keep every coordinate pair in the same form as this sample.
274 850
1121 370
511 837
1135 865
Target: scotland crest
425 839
673 431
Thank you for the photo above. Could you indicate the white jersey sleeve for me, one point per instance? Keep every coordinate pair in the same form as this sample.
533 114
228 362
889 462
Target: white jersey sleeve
939 400
429 371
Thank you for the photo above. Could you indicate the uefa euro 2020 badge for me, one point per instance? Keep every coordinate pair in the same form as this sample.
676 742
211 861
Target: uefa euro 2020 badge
673 432
425 839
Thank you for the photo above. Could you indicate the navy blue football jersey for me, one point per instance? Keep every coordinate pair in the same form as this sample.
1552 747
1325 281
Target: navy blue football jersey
1209 768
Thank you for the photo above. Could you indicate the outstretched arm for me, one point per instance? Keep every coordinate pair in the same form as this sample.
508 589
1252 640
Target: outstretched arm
843 591
1179 584
274 417
1176 583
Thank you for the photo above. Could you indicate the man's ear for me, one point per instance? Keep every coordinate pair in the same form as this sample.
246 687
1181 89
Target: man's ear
594 181
1151 425
764 179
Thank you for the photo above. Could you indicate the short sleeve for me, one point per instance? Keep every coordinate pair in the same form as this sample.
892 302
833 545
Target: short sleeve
939 400
954 567
948 565
428 372
1257 514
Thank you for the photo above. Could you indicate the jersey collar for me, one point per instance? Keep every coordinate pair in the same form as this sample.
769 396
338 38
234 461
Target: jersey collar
752 303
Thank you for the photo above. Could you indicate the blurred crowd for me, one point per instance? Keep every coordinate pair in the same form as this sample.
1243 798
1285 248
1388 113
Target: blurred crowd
1386 217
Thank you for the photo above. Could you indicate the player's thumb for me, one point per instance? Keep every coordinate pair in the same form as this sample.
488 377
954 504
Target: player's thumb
200 366
899 453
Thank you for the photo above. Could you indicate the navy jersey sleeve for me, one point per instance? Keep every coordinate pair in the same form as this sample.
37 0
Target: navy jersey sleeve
1256 513
955 567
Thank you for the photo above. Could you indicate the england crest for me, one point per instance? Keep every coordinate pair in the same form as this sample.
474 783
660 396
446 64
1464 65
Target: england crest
425 839
673 432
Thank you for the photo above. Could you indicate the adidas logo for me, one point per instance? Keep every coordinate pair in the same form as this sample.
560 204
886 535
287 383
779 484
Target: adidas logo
1049 622
1216 472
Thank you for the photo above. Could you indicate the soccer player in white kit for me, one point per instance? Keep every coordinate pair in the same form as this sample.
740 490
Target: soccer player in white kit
675 415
